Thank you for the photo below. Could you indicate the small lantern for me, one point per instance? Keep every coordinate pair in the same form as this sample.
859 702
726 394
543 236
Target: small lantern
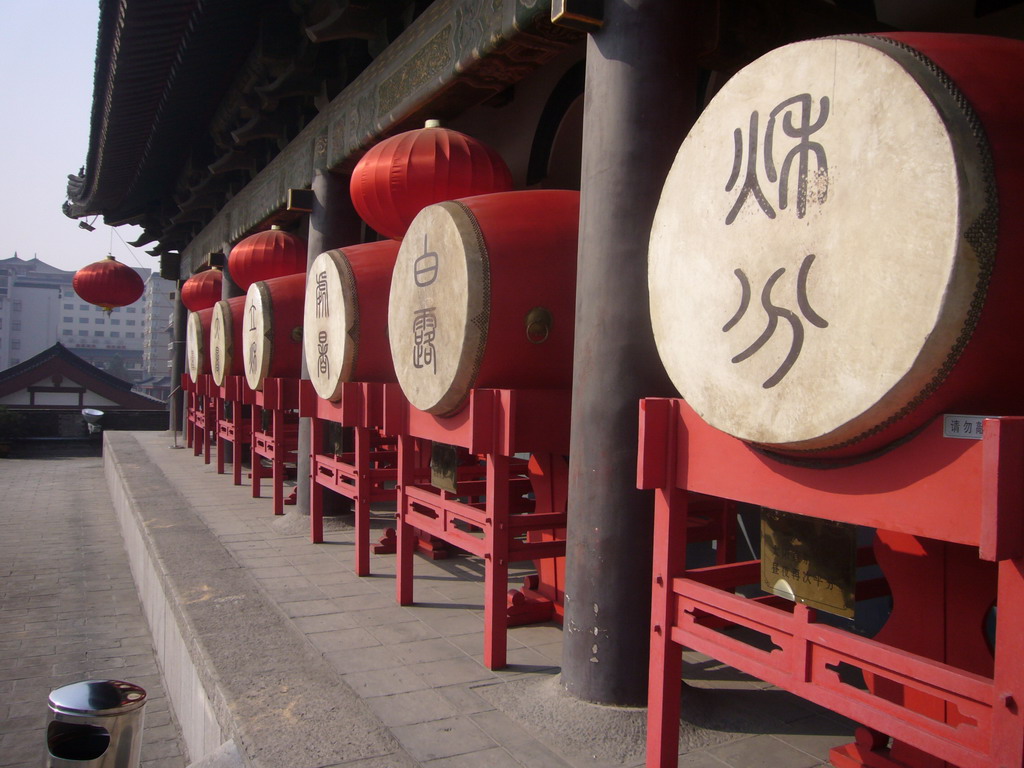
202 290
402 175
265 255
108 284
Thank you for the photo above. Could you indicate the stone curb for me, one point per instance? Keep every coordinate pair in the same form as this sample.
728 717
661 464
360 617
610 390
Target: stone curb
234 666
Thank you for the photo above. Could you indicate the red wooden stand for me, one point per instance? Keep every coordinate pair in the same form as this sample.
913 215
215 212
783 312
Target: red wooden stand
490 516
188 389
279 440
202 409
235 428
933 685
366 474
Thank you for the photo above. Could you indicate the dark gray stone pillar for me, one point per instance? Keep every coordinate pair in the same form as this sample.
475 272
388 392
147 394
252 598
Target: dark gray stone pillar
333 223
228 290
178 414
639 103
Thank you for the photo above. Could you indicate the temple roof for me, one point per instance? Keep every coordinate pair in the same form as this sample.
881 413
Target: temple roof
162 66
60 361
192 98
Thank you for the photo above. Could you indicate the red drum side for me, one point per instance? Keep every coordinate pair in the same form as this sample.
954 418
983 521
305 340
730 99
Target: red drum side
532 240
483 295
345 317
272 329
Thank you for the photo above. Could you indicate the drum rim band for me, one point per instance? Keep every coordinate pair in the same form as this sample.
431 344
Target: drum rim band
224 313
200 346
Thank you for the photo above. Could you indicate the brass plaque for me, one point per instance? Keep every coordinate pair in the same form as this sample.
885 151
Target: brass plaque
809 560
444 466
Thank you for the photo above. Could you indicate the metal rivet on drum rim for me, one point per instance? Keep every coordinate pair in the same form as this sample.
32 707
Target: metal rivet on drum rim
538 325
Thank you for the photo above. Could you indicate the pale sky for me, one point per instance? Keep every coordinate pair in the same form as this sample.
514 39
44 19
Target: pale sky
47 57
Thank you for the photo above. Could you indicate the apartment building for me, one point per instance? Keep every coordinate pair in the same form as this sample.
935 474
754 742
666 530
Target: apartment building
38 306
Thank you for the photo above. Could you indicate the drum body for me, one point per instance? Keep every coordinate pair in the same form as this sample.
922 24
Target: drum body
272 329
345 320
834 260
197 343
226 339
483 295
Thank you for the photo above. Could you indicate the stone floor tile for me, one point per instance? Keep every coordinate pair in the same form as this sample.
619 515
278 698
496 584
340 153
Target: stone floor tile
384 682
275 572
491 758
442 738
343 640
762 751
815 735
699 760
523 660
364 602
426 650
348 589
392 614
449 623
536 634
465 698
324 622
362 659
313 607
403 632
411 707
451 671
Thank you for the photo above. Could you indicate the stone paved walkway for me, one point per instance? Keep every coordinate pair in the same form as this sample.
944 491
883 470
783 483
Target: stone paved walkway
69 610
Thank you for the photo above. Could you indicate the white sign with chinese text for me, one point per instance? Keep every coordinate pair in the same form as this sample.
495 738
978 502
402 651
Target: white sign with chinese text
964 427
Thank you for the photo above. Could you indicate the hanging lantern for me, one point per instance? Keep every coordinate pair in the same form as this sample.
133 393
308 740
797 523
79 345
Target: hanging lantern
202 290
405 173
265 255
108 284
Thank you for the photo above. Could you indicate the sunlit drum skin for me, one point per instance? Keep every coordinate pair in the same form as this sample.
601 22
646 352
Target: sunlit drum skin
483 295
835 258
197 343
226 339
346 317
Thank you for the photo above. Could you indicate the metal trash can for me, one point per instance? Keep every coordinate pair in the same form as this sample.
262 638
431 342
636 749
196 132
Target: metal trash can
96 723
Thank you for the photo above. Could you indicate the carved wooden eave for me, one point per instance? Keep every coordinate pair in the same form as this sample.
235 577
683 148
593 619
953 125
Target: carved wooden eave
457 54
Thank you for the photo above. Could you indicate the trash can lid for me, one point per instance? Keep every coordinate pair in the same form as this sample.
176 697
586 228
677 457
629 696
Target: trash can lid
97 697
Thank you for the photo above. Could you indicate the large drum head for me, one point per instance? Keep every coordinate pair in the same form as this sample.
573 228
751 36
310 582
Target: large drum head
222 345
813 269
195 347
257 334
438 309
330 336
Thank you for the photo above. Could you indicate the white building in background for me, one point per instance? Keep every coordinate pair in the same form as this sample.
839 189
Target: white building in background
157 336
38 306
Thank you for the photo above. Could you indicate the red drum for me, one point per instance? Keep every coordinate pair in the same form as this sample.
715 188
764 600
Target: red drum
272 329
836 256
197 343
346 317
483 295
226 339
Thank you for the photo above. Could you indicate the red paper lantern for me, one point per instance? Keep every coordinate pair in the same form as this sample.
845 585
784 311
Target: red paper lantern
203 290
108 284
402 175
265 255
